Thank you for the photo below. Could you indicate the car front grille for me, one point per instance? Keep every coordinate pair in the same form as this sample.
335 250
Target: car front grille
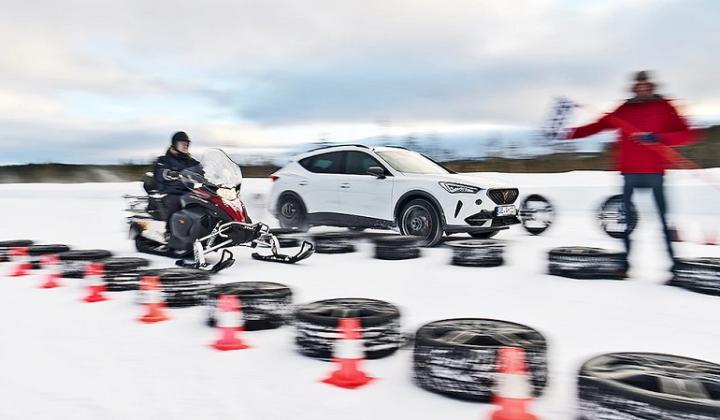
503 195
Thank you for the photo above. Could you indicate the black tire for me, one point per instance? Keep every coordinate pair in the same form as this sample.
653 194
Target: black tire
642 386
397 241
292 213
285 231
387 253
316 326
334 242
483 235
265 305
614 220
74 262
15 243
420 218
458 357
536 214
476 252
700 275
6 246
397 247
37 251
586 263
183 287
287 238
121 273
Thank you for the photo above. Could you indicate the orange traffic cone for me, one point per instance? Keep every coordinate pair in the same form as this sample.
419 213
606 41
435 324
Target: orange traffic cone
94 275
513 390
229 323
51 263
20 256
153 300
348 354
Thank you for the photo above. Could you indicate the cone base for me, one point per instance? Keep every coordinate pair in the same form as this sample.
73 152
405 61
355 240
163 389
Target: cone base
350 382
149 319
94 298
512 410
229 345
18 273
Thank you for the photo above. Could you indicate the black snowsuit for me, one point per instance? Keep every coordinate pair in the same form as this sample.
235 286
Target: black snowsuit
174 189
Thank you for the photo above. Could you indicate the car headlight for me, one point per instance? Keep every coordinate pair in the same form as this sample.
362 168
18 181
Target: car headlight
455 188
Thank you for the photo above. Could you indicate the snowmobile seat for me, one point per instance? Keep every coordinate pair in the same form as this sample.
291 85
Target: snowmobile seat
155 206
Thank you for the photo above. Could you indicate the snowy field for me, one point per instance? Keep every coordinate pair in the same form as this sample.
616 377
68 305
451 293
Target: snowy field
62 359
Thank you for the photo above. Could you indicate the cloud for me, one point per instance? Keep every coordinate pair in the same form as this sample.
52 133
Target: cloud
277 71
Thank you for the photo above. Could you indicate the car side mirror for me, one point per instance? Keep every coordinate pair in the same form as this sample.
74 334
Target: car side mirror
376 171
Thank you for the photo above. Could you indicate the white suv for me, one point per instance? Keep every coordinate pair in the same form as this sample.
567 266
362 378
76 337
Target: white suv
360 187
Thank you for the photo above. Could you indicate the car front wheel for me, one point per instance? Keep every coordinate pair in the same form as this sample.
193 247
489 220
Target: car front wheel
420 218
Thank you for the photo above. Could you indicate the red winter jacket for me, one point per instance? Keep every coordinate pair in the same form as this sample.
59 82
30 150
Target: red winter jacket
655 115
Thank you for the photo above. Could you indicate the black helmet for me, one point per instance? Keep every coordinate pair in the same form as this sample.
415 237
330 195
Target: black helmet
178 137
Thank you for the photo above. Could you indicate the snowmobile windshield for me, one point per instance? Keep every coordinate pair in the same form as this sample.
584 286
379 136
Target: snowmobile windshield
411 162
220 170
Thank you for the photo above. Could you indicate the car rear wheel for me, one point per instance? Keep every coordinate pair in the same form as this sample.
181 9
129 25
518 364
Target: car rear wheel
291 213
420 218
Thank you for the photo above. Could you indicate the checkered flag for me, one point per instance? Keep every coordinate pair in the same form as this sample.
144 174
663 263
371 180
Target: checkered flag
554 128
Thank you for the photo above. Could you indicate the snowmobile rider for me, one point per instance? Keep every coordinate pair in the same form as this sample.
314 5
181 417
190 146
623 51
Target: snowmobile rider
646 122
175 159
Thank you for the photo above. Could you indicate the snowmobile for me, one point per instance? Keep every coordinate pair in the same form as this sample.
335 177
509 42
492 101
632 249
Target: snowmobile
212 218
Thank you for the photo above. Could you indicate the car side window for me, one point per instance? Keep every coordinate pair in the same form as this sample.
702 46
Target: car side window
326 163
357 163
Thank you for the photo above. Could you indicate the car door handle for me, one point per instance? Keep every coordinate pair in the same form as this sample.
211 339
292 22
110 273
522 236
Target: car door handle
302 183
345 185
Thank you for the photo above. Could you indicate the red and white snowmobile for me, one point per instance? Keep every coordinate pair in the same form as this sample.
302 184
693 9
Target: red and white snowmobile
212 218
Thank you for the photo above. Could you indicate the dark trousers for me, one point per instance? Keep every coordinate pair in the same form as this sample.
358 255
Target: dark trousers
656 183
171 204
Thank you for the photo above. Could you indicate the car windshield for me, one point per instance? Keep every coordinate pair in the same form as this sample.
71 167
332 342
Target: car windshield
411 162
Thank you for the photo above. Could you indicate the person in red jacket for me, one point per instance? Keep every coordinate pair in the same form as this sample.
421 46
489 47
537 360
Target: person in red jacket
647 124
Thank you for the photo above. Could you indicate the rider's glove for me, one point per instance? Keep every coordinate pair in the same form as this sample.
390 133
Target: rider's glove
648 138
170 175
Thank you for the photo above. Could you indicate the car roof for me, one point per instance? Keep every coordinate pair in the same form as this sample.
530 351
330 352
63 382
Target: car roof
344 147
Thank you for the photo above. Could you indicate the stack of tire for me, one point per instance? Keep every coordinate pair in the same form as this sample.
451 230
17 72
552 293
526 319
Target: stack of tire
183 287
36 252
586 263
334 242
264 305
397 247
642 386
7 246
477 252
121 273
458 357
73 263
700 275
316 326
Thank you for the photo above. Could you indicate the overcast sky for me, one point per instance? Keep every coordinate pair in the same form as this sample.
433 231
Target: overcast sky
109 81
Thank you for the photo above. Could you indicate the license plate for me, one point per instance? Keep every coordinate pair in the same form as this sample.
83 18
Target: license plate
501 211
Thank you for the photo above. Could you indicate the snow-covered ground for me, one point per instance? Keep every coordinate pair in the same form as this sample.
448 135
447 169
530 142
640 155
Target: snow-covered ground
62 359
